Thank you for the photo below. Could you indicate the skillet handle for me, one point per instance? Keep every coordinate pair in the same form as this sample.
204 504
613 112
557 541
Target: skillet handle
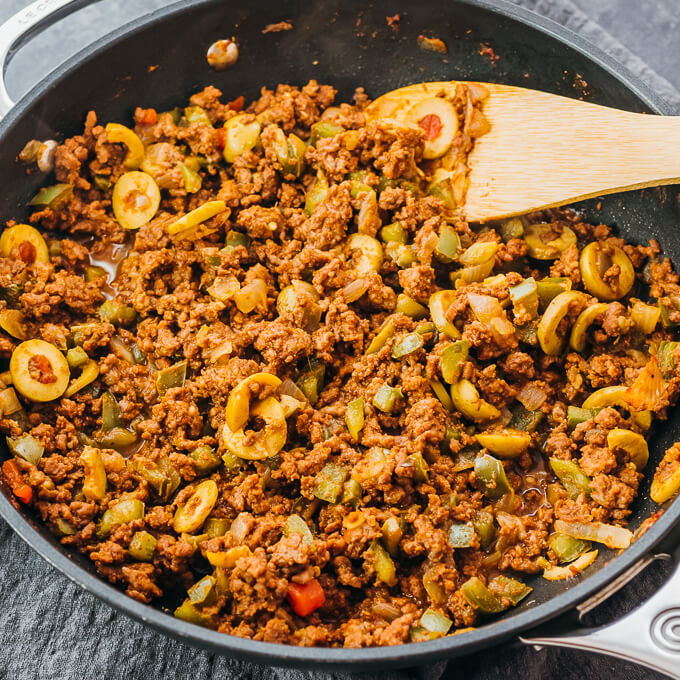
649 635
21 27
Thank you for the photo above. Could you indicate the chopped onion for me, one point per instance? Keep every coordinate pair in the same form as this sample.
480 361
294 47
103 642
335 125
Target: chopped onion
531 396
251 296
570 570
353 291
289 388
26 447
477 272
241 526
488 310
121 350
9 402
221 352
648 390
224 287
644 316
612 536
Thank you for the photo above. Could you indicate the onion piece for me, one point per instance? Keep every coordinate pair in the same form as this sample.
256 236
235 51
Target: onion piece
488 310
289 388
121 350
531 396
648 390
570 570
612 536
224 287
9 402
354 290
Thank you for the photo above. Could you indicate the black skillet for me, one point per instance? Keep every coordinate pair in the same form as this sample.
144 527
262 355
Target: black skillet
348 43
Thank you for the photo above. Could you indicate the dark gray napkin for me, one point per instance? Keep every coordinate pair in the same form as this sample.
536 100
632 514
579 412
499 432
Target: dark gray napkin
52 630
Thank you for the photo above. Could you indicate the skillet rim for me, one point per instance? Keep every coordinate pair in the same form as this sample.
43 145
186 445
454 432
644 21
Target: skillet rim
409 654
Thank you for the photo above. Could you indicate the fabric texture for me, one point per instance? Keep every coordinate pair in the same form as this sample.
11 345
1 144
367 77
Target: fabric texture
53 630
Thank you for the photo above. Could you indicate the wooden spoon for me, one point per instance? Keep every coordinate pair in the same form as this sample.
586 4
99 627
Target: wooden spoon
544 150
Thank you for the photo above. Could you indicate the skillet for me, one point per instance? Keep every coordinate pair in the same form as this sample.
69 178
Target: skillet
159 60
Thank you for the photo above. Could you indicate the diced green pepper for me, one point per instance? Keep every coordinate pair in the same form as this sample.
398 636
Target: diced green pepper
387 398
329 483
525 294
393 232
161 475
110 412
384 565
197 114
142 546
316 194
77 357
188 612
574 480
419 467
512 228
138 355
351 493
550 288
435 622
576 415
402 255
323 129
567 548
480 597
435 591
192 180
522 419
121 512
448 244
509 588
203 591
462 535
296 525
451 360
117 313
93 273
205 459
173 376
407 345
666 359
491 477
419 634
442 394
216 526
236 238
231 461
484 526
311 382
409 307
354 417
54 197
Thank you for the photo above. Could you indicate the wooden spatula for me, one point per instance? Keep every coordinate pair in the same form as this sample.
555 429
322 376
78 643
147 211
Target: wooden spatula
544 150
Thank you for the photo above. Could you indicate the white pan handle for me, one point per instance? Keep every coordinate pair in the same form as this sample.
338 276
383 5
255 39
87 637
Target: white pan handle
21 27
649 635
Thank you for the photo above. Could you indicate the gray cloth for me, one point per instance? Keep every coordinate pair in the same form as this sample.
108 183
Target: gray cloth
52 630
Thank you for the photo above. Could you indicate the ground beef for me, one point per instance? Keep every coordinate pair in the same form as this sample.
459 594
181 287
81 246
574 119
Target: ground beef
359 465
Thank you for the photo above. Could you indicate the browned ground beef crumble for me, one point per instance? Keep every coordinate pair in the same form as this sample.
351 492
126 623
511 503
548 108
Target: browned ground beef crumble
415 464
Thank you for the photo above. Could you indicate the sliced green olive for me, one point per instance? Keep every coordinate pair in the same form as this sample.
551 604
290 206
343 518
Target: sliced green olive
615 396
438 119
543 243
439 303
303 296
94 483
631 442
596 259
380 340
265 443
191 516
505 443
578 337
370 256
551 342
242 133
12 322
116 132
88 374
28 241
237 412
135 199
121 512
466 399
39 370
188 223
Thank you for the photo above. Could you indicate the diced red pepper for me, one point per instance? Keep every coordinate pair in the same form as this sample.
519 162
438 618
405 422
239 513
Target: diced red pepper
16 482
237 104
148 117
221 138
306 598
